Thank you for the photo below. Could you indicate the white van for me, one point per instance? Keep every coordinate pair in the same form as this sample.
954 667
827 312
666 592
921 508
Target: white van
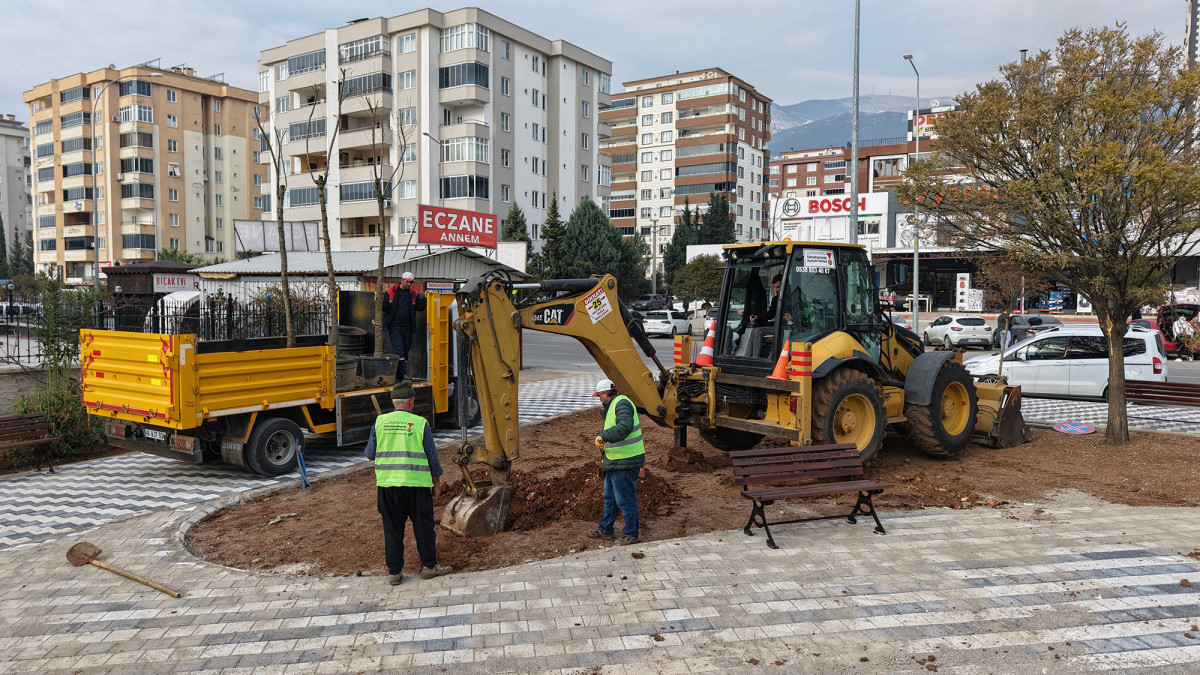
1072 362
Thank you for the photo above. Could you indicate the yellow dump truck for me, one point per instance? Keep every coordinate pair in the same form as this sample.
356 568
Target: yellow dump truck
179 396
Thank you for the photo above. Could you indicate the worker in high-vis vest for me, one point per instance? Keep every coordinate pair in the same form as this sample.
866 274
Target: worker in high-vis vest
409 478
624 456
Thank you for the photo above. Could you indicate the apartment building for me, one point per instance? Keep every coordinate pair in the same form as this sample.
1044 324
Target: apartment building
16 214
464 109
129 161
683 137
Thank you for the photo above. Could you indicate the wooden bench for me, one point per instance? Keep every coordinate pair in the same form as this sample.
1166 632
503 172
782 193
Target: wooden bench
767 474
27 431
1162 393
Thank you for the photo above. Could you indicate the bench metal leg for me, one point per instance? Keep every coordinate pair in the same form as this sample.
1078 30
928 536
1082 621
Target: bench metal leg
865 506
758 518
46 459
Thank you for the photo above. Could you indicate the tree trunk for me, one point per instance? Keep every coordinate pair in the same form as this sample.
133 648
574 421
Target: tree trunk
1117 432
325 241
378 322
289 328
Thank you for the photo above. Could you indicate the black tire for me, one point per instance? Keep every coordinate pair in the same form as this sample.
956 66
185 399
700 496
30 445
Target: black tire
273 446
674 331
730 439
925 339
848 392
947 343
952 388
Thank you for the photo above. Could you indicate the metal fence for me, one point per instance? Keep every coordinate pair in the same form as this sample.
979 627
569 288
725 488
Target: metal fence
19 317
219 317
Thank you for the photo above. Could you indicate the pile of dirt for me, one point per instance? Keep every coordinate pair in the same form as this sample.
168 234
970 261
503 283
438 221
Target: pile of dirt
558 496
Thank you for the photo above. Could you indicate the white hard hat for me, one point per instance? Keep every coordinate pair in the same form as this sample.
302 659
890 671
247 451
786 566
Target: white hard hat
604 386
407 275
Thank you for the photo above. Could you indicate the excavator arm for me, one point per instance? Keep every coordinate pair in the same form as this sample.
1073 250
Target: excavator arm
489 327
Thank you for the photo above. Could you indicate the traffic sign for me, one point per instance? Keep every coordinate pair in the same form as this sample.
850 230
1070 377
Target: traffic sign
1074 428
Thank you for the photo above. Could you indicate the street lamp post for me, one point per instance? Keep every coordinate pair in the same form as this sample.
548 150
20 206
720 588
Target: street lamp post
441 148
916 308
11 287
95 206
853 229
654 259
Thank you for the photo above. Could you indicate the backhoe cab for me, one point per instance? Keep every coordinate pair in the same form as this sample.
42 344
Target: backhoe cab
850 372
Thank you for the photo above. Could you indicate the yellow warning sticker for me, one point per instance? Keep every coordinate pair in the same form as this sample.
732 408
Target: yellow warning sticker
152 358
155 381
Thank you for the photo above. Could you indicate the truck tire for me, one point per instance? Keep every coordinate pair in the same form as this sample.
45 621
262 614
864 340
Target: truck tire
273 445
730 439
848 408
944 427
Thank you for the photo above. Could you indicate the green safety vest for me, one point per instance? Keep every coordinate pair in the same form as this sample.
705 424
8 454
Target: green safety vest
400 459
631 445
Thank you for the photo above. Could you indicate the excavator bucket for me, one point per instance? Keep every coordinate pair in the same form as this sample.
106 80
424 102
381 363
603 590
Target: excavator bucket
999 422
478 512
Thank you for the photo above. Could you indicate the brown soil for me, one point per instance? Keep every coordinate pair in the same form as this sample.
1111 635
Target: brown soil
557 496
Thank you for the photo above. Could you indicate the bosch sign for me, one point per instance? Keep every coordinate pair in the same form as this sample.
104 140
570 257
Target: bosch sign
835 205
455 228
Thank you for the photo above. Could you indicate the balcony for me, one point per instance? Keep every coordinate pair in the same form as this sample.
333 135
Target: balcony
465 129
381 100
701 121
467 94
77 231
304 82
624 132
359 171
365 137
368 208
137 254
137 228
125 153
603 130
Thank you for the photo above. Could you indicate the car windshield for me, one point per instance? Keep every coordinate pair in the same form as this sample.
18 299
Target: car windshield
971 321
646 297
1044 321
656 316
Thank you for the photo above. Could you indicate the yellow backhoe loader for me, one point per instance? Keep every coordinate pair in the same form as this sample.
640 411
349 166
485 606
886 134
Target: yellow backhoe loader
850 371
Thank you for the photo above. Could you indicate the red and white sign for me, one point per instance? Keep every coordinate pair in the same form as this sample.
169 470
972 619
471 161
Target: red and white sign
169 283
452 227
836 205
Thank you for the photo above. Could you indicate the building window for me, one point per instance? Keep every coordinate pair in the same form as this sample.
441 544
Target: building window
281 72
505 86
664 193
665 155
506 190
74 120
504 157
43 127
667 136
220 221
535 199
363 49
647 212
667 118
305 63
406 43
811 180
406 80
74 94
584 141
133 139
217 177
143 241
464 37
217 153
664 174
173 169
264 81
647 101
208 244
408 116
133 88
174 244
605 175
361 192
647 194
647 139
537 64
835 164
537 131
664 212
408 153
456 187
585 108
647 176
136 113
137 191
366 84
282 104
647 120
172 121
668 98
137 165
172 195
505 50
407 190
505 122
604 86
647 157
258 180
172 146
585 172
469 149
217 129
791 182
408 224
460 74
76 169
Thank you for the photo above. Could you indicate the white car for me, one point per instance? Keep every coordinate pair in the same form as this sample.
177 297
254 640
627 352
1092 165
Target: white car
666 322
899 321
959 330
1072 362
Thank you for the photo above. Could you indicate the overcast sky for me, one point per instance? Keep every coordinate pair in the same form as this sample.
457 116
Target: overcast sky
791 50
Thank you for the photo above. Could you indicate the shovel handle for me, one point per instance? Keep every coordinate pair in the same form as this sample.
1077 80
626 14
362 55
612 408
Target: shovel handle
130 575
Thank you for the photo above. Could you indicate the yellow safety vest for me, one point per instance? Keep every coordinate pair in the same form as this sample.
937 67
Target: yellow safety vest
631 445
400 459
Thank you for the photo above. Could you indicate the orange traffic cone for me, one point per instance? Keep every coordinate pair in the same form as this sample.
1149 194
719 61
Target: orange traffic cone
781 366
710 346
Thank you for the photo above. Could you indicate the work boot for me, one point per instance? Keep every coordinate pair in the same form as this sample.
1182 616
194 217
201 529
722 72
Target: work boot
601 534
395 579
435 571
627 539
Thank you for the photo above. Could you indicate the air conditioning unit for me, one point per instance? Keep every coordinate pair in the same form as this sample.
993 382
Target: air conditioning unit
116 119
120 176
387 203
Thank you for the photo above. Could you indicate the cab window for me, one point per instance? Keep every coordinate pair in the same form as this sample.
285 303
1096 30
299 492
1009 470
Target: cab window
750 301
1044 350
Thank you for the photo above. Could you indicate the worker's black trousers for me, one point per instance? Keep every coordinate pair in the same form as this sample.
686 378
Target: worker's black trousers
397 505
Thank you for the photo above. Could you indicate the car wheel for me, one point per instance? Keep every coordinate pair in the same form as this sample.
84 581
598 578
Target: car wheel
947 343
674 331
925 338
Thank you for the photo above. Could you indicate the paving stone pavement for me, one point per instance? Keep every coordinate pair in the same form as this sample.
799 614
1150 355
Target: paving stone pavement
1142 417
35 506
1067 587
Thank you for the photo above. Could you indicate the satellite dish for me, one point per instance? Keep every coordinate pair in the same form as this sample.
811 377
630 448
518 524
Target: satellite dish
933 103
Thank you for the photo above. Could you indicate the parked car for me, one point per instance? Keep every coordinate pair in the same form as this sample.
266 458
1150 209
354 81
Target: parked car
1072 361
1163 321
650 301
899 320
1021 326
959 330
667 322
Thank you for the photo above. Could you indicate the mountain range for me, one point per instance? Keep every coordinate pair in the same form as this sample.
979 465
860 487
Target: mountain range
823 123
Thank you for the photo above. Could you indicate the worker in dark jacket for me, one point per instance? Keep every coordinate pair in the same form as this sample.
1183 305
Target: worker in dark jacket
624 455
409 478
400 306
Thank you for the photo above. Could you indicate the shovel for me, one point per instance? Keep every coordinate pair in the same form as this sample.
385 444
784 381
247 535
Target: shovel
84 553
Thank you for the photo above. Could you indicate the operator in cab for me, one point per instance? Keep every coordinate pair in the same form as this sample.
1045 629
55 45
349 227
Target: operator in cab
408 478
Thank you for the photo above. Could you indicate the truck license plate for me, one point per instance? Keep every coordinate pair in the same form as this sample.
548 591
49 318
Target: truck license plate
155 434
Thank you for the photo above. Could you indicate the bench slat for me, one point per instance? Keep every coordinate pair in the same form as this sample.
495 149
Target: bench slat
789 450
814 462
785 478
28 444
25 429
814 489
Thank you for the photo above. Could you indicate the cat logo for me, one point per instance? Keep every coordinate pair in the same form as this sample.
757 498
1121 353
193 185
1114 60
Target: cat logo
554 315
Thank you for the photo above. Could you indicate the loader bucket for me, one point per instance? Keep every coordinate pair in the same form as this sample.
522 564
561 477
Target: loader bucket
999 422
481 513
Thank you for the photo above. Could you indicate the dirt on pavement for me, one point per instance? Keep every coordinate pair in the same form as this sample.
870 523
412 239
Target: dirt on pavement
333 528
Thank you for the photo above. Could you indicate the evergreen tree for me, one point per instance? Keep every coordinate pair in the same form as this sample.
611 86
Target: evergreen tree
717 226
553 258
22 258
4 267
592 246
514 228
175 255
687 233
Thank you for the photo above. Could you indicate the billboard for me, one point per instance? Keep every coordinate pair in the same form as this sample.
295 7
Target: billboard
263 235
927 119
453 227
